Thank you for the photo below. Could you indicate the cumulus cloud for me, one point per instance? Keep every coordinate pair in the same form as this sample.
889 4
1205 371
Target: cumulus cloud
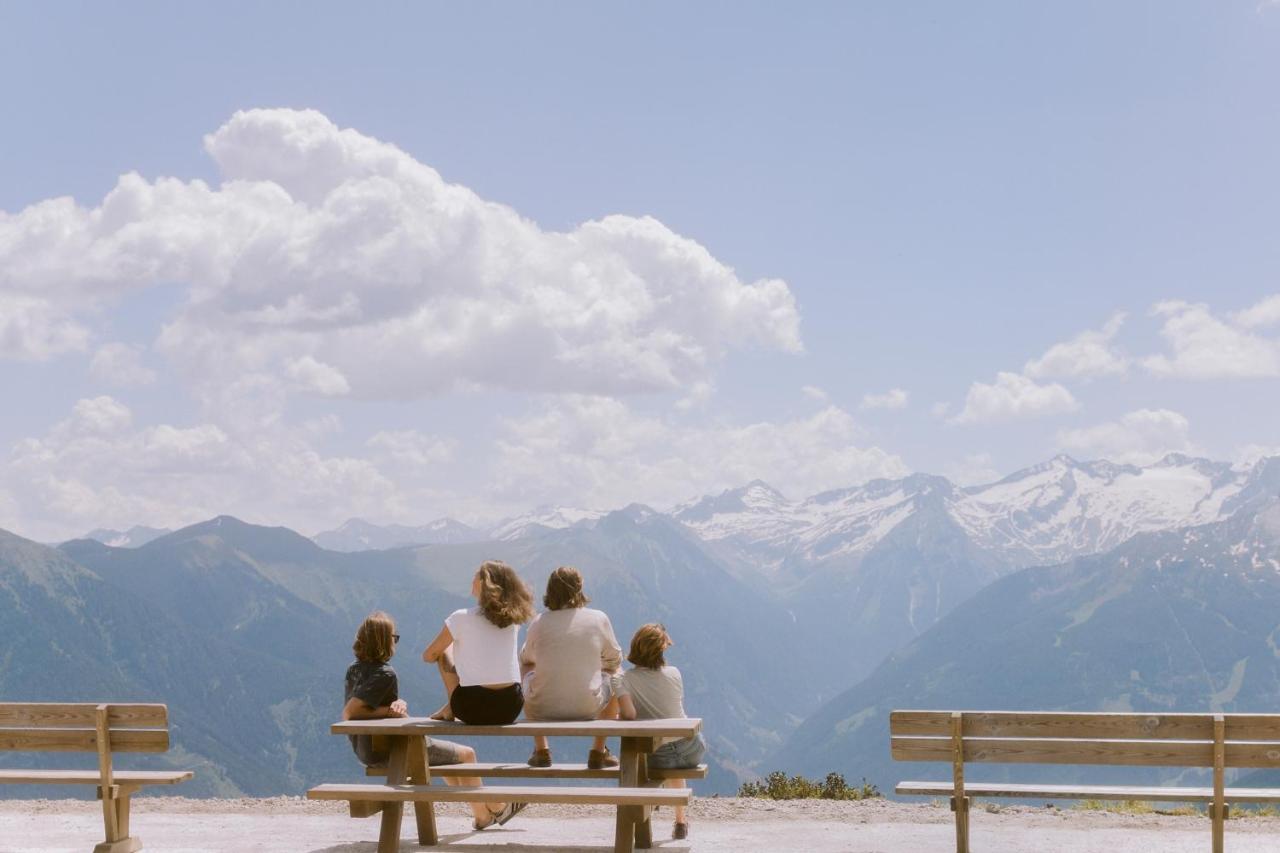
1012 397
98 468
342 263
411 447
813 392
120 365
894 398
31 327
1089 354
1139 437
975 469
1204 346
599 452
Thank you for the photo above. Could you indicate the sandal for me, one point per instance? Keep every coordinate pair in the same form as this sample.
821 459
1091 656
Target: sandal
509 812
493 819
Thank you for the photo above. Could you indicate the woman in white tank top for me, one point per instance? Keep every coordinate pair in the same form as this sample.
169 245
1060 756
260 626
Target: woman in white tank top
476 650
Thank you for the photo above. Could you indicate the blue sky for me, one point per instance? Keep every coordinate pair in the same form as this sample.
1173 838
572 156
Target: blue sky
946 191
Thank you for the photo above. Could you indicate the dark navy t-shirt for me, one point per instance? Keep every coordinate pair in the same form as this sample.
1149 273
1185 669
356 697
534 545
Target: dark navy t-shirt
376 685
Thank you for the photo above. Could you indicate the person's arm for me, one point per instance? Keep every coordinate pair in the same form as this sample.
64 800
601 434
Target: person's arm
356 709
626 708
527 660
437 648
610 651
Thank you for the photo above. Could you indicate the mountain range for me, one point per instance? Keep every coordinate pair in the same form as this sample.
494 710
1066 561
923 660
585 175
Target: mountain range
797 623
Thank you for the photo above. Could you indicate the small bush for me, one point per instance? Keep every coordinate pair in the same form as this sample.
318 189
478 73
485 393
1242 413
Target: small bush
779 786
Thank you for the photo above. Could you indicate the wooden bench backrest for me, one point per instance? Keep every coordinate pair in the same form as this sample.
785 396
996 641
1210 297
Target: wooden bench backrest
66 727
1014 737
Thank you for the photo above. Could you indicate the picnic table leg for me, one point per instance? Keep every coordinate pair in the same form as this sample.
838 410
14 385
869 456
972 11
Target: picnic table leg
392 813
420 774
644 822
624 838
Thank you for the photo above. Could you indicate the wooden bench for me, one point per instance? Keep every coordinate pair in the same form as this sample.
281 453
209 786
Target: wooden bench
409 779
105 729
1219 742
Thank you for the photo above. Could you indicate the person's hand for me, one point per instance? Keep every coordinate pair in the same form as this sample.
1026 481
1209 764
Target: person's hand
399 708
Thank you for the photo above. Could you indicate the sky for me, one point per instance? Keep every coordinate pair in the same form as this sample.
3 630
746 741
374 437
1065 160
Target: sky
299 262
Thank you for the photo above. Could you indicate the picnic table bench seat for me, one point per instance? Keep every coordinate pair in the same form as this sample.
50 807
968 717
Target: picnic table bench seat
1215 742
102 728
636 792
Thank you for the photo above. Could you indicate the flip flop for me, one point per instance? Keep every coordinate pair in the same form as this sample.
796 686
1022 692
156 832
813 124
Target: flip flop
493 820
509 812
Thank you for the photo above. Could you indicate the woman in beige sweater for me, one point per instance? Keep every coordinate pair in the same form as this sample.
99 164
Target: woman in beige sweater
568 655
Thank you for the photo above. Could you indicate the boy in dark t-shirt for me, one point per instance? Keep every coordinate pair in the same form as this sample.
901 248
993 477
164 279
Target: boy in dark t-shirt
372 692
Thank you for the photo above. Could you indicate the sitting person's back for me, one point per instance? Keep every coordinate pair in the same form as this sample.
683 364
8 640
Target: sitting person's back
653 690
564 663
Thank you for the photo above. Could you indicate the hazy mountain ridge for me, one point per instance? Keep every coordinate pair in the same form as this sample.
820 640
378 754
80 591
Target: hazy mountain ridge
1181 620
356 534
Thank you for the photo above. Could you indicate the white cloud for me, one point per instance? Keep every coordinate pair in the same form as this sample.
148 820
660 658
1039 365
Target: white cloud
598 452
976 469
1087 355
1139 437
813 392
1011 397
325 244
1207 347
97 468
1265 313
1250 454
120 365
410 447
894 398
318 377
31 328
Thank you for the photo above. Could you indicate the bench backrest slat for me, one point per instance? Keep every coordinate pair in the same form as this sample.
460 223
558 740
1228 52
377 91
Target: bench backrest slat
1060 725
33 739
1148 740
82 715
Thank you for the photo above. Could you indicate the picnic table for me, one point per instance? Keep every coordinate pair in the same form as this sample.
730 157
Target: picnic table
409 778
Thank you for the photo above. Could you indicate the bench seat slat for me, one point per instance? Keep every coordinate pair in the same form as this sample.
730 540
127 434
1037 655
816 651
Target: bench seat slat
1142 753
91 777
556 771
82 715
502 794
1140 793
34 739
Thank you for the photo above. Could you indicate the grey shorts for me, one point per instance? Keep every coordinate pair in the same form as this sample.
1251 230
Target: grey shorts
438 751
680 754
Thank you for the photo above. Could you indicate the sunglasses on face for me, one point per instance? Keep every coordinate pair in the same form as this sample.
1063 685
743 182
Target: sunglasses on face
395 637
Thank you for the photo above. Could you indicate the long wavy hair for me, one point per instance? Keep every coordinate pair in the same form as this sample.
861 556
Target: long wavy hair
504 598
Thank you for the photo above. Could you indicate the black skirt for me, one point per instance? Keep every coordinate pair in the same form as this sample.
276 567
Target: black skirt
484 706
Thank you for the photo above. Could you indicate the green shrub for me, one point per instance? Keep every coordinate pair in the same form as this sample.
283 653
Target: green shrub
778 786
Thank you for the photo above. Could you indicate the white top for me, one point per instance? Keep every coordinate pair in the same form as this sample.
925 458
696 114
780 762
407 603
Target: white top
482 652
569 650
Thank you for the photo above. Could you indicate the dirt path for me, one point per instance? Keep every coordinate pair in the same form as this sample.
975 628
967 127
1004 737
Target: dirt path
287 825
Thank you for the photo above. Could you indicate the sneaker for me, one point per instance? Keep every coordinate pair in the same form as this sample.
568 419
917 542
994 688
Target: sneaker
680 831
601 759
540 758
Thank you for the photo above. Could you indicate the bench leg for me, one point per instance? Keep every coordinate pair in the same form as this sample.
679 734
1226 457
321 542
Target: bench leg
629 817
960 805
364 808
392 812
1219 826
127 845
424 814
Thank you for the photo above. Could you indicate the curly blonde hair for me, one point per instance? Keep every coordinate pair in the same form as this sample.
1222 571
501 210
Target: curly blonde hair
504 598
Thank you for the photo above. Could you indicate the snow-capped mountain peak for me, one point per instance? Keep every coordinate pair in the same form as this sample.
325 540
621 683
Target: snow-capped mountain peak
545 518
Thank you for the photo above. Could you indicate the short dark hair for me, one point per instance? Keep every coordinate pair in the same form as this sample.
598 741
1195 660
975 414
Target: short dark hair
648 644
564 590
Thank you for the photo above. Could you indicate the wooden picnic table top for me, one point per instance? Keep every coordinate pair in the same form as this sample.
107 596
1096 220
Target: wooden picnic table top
587 728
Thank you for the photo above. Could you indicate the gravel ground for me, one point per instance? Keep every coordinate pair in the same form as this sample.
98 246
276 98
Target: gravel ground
719 825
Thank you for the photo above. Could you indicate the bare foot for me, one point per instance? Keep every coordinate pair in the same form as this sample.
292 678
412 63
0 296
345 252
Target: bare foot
445 714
